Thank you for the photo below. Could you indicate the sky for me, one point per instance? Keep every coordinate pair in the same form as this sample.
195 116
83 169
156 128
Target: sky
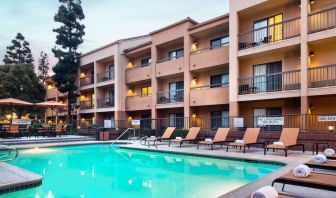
105 20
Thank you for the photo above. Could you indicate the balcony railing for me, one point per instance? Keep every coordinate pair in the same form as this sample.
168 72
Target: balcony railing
210 86
86 81
105 102
323 76
322 20
289 80
105 76
89 104
209 48
138 66
269 34
167 97
169 59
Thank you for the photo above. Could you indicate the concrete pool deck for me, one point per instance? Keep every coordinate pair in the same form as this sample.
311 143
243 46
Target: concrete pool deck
294 158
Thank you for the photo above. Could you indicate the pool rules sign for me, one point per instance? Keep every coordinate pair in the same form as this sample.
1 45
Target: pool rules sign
269 121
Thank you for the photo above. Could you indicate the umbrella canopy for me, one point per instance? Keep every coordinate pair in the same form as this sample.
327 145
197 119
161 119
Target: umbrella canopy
50 104
14 102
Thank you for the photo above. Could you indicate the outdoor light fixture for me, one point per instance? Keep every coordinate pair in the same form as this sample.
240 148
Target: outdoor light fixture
311 54
311 106
331 128
312 1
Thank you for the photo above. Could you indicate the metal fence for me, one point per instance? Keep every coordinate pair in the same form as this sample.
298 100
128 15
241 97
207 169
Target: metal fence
89 104
171 96
105 102
105 76
86 81
322 76
322 20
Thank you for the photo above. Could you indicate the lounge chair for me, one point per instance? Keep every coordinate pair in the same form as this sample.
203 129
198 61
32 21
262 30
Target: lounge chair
332 157
191 136
14 130
328 165
289 138
314 180
219 138
280 195
58 130
249 139
165 136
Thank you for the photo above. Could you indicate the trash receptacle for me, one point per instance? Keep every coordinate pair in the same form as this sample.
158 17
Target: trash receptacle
104 135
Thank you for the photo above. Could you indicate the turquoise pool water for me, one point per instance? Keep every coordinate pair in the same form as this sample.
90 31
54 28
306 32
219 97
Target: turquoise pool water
100 171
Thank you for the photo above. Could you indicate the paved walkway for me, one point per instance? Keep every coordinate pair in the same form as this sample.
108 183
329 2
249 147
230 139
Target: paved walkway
39 140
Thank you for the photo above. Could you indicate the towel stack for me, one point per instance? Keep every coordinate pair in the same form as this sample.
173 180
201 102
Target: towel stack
278 143
320 159
240 141
301 171
329 152
179 138
208 140
265 192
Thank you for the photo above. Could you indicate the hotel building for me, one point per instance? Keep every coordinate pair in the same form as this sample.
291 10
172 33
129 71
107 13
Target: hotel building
266 58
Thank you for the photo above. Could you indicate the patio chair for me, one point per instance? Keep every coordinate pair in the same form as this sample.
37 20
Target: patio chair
280 195
14 130
219 138
328 165
165 136
289 138
191 136
58 130
249 139
314 180
65 129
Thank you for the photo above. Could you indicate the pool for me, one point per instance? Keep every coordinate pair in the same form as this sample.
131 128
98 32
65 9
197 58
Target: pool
102 171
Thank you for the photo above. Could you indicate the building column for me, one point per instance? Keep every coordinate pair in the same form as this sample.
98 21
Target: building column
304 57
233 65
154 84
187 76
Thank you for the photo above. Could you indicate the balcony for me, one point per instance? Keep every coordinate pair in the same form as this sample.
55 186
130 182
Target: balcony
137 103
138 73
170 97
209 95
51 93
105 103
169 66
105 76
86 81
323 76
84 105
283 81
269 34
322 20
209 57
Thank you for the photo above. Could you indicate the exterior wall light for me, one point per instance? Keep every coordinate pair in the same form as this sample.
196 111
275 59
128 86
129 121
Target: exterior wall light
311 53
331 128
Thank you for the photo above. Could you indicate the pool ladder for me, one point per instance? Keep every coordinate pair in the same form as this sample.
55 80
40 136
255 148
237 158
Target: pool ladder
11 154
127 130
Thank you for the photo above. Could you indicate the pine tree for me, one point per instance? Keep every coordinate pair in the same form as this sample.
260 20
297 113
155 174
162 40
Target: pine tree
19 52
43 67
69 37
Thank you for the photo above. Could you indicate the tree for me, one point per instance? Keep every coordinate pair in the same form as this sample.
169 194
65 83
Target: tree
69 37
20 81
19 52
43 67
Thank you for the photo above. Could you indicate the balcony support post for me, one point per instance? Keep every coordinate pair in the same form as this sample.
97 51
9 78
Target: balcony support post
154 85
187 77
304 56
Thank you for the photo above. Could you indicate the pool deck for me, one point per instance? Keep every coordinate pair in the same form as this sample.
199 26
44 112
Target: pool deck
294 158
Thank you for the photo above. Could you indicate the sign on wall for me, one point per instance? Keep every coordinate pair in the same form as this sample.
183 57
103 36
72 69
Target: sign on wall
238 122
262 121
327 118
136 122
21 121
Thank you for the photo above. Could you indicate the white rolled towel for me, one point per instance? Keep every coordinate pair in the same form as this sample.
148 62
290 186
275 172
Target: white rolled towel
178 138
152 137
301 171
320 159
265 192
329 152
278 143
208 140
240 141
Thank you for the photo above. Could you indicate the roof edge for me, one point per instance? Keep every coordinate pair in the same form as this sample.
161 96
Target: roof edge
209 21
188 19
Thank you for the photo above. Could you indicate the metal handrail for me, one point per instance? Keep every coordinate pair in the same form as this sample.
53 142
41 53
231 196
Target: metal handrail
4 158
124 134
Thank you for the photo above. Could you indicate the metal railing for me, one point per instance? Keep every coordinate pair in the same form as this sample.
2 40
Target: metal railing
169 59
323 76
269 34
8 153
290 80
205 87
89 104
120 136
86 81
105 76
322 20
174 96
138 66
210 48
105 102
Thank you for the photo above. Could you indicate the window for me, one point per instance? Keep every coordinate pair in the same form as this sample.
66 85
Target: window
265 33
145 62
219 80
111 71
176 93
145 122
176 120
92 77
146 91
111 98
219 42
267 112
176 54
267 77
219 119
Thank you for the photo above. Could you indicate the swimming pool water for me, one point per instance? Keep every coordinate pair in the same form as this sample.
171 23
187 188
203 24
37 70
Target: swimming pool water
100 171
